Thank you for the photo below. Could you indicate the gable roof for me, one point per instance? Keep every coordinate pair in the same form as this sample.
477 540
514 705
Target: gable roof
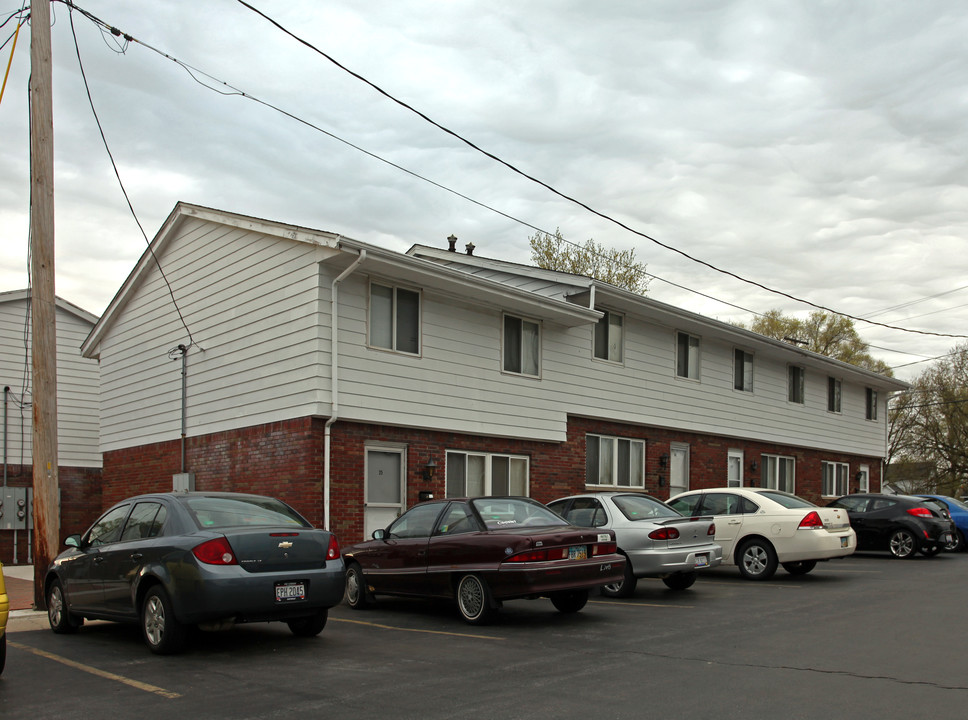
61 304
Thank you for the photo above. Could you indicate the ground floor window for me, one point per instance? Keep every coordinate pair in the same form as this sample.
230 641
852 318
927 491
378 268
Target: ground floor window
779 473
864 479
614 461
471 474
835 477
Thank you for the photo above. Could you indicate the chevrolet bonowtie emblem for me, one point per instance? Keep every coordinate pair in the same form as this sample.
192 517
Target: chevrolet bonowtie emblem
285 544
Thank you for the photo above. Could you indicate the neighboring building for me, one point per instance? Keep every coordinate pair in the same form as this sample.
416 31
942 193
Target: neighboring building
450 374
79 459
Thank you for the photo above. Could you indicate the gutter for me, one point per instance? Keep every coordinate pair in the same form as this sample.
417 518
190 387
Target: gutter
334 379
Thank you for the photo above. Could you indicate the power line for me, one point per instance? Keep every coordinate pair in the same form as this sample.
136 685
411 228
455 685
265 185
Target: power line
571 199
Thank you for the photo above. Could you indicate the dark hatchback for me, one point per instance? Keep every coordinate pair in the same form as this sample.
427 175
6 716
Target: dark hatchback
481 552
901 524
171 560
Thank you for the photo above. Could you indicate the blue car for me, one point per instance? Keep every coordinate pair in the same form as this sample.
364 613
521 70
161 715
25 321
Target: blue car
959 514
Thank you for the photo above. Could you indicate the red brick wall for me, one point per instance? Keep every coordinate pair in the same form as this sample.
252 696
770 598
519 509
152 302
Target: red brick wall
285 459
80 493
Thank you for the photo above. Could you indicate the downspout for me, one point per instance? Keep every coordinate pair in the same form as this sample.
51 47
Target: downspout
334 378
6 400
184 401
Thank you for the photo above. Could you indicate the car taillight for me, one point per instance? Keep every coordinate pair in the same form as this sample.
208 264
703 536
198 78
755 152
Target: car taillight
712 529
812 521
919 512
332 553
666 533
604 548
216 551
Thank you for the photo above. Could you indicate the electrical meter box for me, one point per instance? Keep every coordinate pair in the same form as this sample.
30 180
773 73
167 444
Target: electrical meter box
16 508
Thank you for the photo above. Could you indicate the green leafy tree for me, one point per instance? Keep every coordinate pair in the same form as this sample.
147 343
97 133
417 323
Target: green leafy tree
824 333
616 267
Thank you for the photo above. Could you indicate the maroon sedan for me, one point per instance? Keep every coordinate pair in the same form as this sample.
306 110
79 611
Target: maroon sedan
482 551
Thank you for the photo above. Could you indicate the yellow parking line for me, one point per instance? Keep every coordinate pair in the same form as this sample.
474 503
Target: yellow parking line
415 630
100 673
642 604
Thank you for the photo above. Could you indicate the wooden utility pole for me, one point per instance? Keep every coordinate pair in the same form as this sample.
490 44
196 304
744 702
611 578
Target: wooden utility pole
43 344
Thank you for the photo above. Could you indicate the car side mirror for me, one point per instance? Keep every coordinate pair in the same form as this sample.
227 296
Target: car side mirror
73 541
379 534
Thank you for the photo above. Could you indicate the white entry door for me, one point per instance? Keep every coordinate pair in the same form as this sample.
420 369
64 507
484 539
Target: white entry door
678 469
384 490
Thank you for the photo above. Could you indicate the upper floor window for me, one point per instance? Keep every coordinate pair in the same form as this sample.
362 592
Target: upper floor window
779 473
609 337
522 345
687 356
742 370
394 318
834 391
796 375
834 479
871 404
473 474
614 461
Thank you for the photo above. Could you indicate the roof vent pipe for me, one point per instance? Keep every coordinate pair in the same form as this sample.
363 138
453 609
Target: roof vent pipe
452 243
470 248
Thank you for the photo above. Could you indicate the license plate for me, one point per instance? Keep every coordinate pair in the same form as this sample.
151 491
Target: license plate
578 552
702 560
844 542
290 591
946 538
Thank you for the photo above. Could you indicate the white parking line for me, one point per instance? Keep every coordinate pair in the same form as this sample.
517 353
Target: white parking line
642 604
154 689
415 630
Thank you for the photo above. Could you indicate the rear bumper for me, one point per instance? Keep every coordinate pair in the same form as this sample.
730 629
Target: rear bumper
667 561
816 545
517 580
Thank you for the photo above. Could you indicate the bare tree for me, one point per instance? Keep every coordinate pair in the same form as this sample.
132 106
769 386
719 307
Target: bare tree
616 267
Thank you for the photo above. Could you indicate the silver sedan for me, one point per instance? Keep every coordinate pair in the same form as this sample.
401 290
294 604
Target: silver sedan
657 540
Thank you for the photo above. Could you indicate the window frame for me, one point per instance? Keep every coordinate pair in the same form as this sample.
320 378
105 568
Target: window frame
837 483
521 344
835 394
742 382
870 404
605 322
693 361
770 472
488 459
798 384
394 318
615 462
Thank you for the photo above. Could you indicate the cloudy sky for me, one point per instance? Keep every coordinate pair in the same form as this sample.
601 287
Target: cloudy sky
816 147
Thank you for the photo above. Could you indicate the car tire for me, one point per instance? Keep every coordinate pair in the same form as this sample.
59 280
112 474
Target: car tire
162 632
623 588
474 600
311 626
957 543
60 618
680 581
356 595
569 601
800 567
902 544
756 560
931 550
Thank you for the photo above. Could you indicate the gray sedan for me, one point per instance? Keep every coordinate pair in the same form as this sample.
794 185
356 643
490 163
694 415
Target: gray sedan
657 540
171 560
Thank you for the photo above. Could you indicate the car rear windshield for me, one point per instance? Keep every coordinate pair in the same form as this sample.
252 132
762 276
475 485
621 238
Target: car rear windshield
514 512
222 512
642 507
787 500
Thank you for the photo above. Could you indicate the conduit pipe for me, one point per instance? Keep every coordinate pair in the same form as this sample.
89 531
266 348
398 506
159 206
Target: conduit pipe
334 379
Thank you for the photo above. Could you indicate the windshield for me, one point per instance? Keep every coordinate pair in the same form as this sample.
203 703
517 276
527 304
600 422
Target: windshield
503 512
787 500
643 507
222 512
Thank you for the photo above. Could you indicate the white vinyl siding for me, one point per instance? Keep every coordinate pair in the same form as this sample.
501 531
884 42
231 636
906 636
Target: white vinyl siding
835 479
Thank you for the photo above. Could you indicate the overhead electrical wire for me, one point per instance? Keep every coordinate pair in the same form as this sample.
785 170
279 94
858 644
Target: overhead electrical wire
192 71
571 199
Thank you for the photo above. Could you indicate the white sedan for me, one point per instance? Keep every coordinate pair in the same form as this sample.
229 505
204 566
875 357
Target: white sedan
760 528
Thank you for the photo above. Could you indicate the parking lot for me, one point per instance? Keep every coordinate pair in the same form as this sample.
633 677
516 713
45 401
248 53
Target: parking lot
863 637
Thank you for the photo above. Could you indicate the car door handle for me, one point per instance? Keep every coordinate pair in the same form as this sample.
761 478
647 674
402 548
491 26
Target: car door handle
99 559
734 522
136 556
